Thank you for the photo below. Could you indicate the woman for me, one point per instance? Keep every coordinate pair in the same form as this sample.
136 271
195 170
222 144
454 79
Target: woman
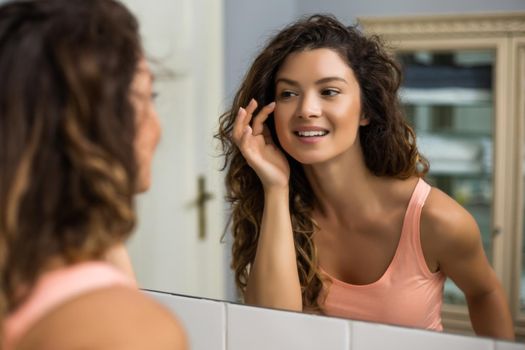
78 130
330 209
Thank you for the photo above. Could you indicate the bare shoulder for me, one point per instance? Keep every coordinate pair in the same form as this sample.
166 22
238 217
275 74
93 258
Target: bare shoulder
447 227
110 318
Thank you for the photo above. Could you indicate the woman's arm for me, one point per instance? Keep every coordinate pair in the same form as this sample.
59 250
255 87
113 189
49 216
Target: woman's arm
273 280
466 264
460 256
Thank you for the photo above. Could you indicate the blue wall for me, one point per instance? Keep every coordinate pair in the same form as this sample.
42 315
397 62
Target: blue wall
248 23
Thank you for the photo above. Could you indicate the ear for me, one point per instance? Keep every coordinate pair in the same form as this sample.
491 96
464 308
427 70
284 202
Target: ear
364 121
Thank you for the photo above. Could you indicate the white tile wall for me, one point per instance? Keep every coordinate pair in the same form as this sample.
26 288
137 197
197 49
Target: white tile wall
203 319
215 325
500 345
251 328
369 336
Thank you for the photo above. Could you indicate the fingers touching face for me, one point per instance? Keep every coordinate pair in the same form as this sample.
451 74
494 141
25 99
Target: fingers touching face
245 116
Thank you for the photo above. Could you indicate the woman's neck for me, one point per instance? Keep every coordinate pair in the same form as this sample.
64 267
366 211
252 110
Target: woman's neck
344 186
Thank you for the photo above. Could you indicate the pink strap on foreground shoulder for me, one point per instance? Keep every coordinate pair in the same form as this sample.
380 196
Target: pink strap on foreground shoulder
55 288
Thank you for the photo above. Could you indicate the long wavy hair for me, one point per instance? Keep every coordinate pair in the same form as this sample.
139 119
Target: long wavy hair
388 142
67 126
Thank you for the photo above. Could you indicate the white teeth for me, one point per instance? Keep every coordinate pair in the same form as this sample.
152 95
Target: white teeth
311 133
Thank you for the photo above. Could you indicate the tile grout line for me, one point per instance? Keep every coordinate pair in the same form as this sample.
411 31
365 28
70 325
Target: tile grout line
225 319
350 335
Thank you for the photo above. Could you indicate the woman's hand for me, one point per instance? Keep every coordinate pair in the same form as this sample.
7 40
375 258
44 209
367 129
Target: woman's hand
257 147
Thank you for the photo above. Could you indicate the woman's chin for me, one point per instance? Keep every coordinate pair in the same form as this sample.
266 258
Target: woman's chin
309 159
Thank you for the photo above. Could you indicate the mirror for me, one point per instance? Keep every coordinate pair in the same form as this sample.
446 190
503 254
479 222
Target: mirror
208 45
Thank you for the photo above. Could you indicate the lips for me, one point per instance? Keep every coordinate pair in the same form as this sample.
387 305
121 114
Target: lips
311 131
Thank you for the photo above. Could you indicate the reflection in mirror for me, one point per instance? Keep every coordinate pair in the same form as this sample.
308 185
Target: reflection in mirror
329 200
167 253
448 100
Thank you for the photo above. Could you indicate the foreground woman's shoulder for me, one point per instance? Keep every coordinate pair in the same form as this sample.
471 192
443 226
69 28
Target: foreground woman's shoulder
111 318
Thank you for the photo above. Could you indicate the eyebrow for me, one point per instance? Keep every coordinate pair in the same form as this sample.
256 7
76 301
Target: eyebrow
318 82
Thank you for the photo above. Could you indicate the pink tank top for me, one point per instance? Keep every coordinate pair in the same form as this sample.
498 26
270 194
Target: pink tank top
408 293
55 288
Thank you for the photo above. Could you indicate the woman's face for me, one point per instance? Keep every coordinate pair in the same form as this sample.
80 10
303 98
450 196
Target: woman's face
147 123
318 106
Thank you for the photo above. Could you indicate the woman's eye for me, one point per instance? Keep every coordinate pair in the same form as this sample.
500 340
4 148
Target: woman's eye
287 94
330 92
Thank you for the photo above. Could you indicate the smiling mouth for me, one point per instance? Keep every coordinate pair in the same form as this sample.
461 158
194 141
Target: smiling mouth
317 133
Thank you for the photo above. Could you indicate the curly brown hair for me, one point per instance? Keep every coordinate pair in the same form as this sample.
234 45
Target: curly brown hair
67 127
388 142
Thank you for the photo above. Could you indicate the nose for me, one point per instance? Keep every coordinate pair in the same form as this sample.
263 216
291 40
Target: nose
158 126
309 106
155 125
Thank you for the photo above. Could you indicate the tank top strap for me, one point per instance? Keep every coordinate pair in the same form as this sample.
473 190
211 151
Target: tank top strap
411 228
417 201
57 287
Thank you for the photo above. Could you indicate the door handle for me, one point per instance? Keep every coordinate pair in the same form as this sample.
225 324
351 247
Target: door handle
202 197
496 231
